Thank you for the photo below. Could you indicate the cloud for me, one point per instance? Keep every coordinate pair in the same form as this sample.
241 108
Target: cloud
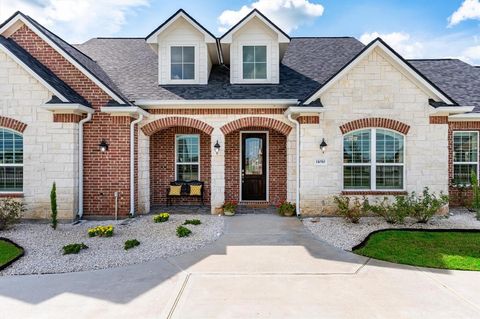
287 14
75 20
470 9
472 53
399 41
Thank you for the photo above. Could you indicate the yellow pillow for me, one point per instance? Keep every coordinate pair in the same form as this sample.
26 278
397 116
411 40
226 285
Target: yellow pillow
175 190
195 190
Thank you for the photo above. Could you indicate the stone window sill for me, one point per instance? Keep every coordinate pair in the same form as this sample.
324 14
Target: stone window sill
11 195
369 192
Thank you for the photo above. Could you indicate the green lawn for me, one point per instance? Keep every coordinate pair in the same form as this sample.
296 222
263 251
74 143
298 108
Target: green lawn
445 249
8 252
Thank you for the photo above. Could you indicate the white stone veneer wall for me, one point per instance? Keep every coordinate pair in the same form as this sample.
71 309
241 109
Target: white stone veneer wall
374 88
50 149
143 172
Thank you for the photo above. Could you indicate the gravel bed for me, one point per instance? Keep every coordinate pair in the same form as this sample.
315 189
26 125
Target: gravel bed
340 233
43 245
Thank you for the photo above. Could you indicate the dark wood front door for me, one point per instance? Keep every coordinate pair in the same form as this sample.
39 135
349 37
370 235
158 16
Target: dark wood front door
254 166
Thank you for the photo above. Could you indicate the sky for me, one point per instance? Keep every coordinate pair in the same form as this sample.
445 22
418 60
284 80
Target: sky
415 28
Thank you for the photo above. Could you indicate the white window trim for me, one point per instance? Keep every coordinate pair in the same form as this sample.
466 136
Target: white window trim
169 63
12 164
464 163
373 163
240 64
185 163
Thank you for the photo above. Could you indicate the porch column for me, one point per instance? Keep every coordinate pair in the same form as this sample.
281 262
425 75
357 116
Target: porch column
217 186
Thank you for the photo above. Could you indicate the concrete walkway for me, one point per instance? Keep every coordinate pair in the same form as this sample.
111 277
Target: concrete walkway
263 266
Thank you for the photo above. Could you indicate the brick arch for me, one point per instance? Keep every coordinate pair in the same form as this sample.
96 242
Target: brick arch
12 124
256 122
168 122
375 122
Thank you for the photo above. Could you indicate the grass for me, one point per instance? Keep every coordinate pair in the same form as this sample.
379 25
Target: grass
444 249
8 252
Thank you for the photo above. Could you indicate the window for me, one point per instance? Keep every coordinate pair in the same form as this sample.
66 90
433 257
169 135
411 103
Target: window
373 159
187 157
465 156
11 161
254 62
182 59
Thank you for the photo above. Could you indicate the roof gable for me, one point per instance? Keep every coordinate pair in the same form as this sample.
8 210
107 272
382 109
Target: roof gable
82 62
41 73
152 37
401 63
282 36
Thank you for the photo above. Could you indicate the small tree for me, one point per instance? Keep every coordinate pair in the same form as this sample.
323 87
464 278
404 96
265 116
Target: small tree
53 204
476 192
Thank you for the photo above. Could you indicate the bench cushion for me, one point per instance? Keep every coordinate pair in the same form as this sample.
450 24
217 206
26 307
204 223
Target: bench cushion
175 190
195 190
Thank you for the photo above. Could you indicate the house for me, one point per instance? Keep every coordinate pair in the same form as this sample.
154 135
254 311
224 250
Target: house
256 115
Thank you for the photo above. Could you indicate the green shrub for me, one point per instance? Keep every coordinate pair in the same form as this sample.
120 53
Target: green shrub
424 207
286 209
10 212
183 231
53 206
131 243
476 193
192 222
392 214
161 218
101 231
73 248
351 210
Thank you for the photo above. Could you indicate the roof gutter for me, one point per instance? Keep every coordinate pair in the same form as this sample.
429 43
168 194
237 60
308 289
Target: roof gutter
452 110
124 110
290 113
148 104
465 117
66 108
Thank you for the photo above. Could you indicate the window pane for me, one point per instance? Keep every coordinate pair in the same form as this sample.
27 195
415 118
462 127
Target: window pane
176 54
248 71
389 177
188 54
187 172
356 147
176 72
462 173
465 147
11 179
189 71
253 156
187 149
356 177
260 53
389 147
260 70
248 54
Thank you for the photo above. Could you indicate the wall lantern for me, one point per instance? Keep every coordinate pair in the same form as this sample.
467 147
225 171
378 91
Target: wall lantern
216 147
103 146
323 145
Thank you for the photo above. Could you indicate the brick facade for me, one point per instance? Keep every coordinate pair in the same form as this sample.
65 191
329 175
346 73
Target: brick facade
220 111
67 118
375 122
174 121
277 167
281 127
162 164
308 119
105 173
12 124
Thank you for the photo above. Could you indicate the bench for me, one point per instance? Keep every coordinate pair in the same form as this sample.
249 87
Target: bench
185 190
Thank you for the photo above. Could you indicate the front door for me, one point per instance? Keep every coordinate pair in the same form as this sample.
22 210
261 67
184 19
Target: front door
254 166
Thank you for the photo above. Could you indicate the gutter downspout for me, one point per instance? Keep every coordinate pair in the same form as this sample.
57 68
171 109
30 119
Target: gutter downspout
132 164
80 164
297 192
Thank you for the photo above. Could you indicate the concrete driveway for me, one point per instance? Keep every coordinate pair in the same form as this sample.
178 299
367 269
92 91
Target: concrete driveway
263 266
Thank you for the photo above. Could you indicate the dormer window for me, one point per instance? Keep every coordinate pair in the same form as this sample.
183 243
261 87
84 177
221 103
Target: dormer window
182 63
254 62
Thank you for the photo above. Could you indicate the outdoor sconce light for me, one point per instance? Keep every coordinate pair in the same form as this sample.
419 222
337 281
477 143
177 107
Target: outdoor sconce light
323 145
216 147
103 146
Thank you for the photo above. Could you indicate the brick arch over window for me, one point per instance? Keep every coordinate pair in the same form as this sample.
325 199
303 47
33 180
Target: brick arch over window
375 122
266 122
173 121
12 124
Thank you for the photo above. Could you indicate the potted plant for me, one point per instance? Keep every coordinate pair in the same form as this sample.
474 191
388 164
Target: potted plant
286 209
229 208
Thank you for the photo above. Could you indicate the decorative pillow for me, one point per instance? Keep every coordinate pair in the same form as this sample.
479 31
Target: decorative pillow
175 190
195 190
